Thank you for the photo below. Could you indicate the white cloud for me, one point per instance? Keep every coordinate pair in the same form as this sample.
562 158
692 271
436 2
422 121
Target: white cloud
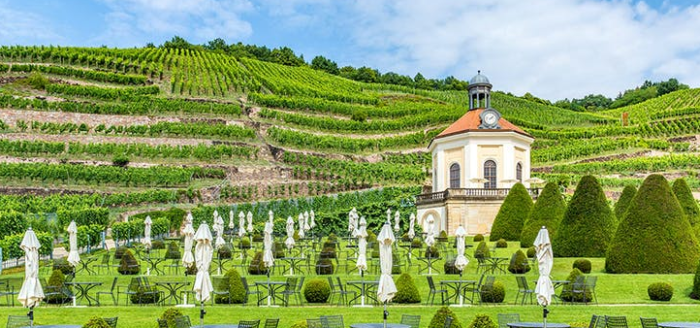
551 48
197 21
25 28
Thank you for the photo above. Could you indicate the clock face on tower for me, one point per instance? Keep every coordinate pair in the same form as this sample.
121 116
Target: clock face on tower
489 119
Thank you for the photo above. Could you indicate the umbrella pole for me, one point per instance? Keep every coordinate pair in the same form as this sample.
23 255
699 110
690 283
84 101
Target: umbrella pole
269 291
544 316
31 316
386 314
201 314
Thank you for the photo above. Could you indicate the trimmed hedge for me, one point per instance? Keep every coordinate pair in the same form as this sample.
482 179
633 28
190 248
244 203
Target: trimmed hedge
623 203
406 290
257 266
482 321
588 225
494 294
687 201
695 293
548 211
660 291
519 263
170 314
654 236
128 264
509 221
482 251
582 264
236 290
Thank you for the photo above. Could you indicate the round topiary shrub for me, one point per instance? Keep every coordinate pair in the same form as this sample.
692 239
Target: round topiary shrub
449 267
244 243
173 252
332 237
258 238
329 244
511 217
145 295
519 263
482 251
169 315
478 238
438 320
442 237
482 321
96 322
317 291
324 266
501 243
157 244
406 290
624 201
257 266
128 264
236 290
654 236
416 243
531 252
660 291
328 253
493 294
582 264
588 224
224 252
278 250
548 211
431 252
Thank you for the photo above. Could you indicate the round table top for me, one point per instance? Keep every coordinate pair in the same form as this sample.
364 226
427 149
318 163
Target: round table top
537 325
379 325
679 324
55 326
216 326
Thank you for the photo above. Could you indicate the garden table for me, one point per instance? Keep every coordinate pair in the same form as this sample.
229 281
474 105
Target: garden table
85 265
153 263
172 287
496 263
272 288
293 263
379 325
538 324
456 286
429 264
223 325
362 286
55 326
82 290
679 324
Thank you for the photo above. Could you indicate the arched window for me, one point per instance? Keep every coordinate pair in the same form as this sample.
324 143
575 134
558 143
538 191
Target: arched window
490 175
454 175
519 172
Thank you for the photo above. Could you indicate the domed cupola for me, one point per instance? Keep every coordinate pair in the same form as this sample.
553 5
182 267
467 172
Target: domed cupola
479 92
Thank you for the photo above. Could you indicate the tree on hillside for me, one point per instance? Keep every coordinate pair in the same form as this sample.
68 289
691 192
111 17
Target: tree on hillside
588 224
178 43
548 211
654 236
509 221
324 64
688 203
624 201
286 56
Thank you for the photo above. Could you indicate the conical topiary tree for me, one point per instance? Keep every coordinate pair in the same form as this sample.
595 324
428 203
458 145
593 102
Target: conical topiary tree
624 201
547 211
588 224
509 221
406 290
688 203
654 236
695 293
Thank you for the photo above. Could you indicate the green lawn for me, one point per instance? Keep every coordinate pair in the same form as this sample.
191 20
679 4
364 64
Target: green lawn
623 294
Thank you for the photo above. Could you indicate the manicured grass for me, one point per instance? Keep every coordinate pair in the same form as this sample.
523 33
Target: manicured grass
622 294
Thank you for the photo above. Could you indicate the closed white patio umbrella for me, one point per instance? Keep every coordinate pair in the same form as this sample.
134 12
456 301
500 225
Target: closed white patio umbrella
231 225
351 222
31 294
545 260
203 254
73 256
250 222
386 289
430 231
312 215
301 225
188 233
147 232
411 226
219 228
362 247
241 224
268 258
397 221
289 242
461 261
306 221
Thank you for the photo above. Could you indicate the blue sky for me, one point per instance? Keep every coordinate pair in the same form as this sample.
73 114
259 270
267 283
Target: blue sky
551 48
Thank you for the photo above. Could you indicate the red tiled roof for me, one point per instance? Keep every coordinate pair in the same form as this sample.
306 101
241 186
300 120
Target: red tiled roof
471 121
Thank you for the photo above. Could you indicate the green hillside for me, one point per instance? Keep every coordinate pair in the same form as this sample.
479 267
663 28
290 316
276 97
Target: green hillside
207 127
